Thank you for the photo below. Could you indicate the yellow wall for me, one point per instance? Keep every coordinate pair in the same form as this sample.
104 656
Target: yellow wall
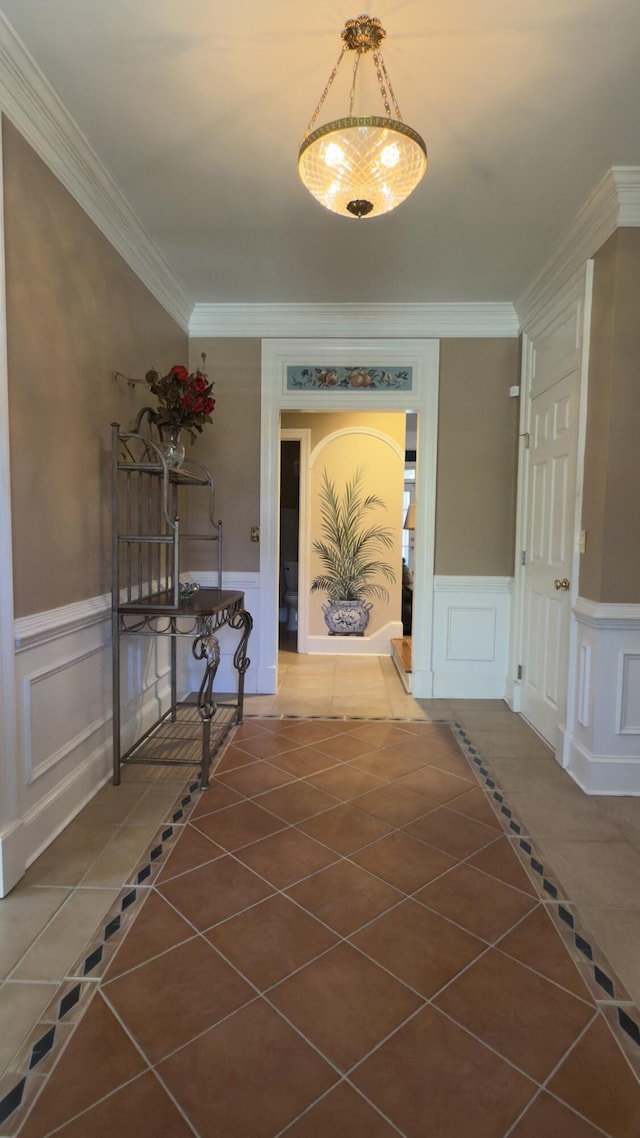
374 441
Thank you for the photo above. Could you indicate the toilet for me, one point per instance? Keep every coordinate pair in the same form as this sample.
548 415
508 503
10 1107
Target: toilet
290 598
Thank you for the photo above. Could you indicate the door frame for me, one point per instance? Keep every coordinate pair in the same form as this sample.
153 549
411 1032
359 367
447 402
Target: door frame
577 291
301 435
423 356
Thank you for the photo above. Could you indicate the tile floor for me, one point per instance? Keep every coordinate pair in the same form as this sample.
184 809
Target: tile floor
347 899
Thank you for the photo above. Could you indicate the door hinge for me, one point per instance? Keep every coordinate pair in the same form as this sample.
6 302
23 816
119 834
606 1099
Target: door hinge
519 671
523 557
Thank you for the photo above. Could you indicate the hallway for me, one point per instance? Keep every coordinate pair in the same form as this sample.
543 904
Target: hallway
318 868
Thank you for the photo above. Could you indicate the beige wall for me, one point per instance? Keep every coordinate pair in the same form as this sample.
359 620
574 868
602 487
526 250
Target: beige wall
610 566
230 447
477 458
384 476
75 313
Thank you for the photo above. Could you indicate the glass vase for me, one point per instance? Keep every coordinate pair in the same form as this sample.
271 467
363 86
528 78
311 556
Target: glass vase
172 448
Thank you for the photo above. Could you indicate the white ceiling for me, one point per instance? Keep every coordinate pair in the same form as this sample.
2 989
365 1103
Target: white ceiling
197 108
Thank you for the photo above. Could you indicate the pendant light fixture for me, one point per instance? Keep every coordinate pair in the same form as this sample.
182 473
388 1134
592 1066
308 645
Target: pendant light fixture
362 165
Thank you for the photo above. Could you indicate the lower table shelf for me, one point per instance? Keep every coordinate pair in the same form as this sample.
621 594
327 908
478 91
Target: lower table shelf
180 740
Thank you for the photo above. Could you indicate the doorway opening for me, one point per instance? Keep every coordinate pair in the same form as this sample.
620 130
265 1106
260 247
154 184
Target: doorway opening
289 544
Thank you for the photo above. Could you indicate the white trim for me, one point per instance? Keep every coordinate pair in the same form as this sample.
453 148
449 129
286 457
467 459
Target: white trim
11 863
29 100
615 202
338 321
379 644
356 430
443 584
423 356
599 615
43 626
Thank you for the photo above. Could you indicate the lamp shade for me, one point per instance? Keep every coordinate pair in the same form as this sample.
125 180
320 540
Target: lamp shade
362 165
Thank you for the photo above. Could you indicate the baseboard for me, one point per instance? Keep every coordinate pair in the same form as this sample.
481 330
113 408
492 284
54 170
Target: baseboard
603 774
12 857
468 685
379 644
49 817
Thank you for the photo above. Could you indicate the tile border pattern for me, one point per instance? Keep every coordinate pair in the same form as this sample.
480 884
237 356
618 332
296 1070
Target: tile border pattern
26 1073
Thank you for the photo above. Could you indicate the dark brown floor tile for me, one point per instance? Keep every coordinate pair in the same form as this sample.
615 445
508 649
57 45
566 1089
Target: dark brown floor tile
474 804
233 757
379 734
596 1080
547 1117
248 1077
392 762
481 904
536 943
123 1112
98 1058
394 804
304 761
403 861
344 1004
238 825
344 747
306 731
255 778
437 785
267 746
190 849
296 801
271 940
345 782
521 1015
215 797
501 861
419 947
432 1078
343 1113
453 833
174 997
248 729
214 892
286 857
344 829
344 896
156 928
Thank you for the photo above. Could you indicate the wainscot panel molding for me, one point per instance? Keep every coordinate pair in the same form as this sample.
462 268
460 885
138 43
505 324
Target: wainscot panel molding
29 100
471 637
614 203
602 747
350 320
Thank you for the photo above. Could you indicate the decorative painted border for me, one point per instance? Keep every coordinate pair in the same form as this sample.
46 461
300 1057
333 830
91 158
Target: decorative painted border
362 379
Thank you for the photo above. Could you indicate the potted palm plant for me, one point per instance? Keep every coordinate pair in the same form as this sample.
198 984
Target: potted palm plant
350 554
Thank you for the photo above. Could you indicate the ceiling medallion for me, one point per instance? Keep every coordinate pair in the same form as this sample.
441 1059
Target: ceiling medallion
362 165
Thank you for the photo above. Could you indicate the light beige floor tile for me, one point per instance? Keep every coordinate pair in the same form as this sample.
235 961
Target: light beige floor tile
20 1008
564 811
524 773
113 803
118 860
603 874
617 933
68 858
154 807
60 944
23 915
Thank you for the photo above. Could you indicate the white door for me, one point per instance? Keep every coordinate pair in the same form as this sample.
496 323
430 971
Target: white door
548 556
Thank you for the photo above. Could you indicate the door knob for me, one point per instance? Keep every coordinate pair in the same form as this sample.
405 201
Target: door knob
563 584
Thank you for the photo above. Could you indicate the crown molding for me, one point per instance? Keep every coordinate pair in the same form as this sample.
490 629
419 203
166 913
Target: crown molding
408 321
614 204
32 105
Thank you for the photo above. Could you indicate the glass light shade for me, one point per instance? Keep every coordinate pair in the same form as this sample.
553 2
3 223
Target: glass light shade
362 166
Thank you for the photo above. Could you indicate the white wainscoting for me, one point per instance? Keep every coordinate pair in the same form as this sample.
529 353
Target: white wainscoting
64 707
602 748
471 618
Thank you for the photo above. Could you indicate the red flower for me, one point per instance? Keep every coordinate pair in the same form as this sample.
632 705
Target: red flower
180 373
209 404
200 383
